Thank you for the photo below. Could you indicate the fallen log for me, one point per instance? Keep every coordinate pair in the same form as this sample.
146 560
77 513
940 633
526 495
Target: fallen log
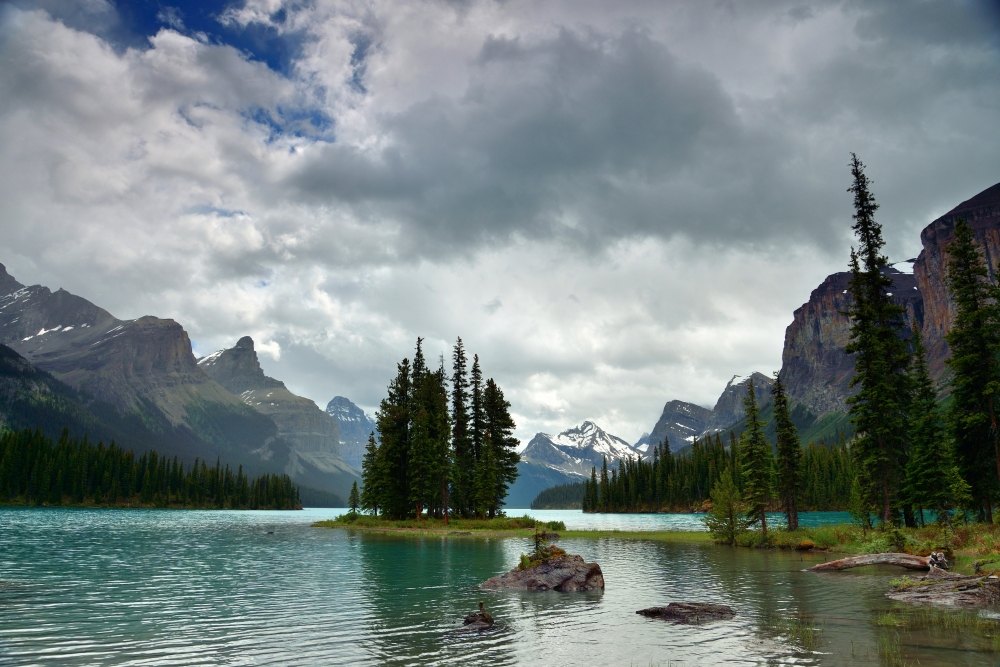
909 561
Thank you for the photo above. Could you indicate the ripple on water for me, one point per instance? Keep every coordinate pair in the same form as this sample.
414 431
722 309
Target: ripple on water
111 587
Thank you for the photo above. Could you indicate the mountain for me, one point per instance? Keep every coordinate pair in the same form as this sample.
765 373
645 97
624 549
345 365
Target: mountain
679 424
576 450
142 366
548 460
313 435
355 427
730 408
135 381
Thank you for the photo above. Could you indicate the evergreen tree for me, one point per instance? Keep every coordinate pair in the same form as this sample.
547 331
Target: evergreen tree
478 417
757 465
789 464
370 479
461 436
881 359
354 500
974 340
501 458
931 472
393 421
726 520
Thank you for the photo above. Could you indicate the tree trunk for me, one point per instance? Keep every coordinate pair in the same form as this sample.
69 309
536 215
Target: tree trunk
908 561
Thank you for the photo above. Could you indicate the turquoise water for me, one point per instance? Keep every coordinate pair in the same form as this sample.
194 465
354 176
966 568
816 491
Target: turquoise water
126 587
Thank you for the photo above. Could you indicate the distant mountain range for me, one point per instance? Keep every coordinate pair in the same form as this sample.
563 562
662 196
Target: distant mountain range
571 455
71 363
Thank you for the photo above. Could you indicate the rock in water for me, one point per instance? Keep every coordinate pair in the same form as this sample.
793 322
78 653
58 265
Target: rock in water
690 612
564 573
949 590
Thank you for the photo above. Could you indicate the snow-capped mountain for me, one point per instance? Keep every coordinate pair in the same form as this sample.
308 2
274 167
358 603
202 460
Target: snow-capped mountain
355 426
576 450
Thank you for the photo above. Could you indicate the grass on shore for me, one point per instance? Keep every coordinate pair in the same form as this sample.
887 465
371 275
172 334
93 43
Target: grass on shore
498 525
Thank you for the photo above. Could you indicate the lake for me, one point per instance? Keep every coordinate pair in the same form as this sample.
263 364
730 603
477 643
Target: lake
148 587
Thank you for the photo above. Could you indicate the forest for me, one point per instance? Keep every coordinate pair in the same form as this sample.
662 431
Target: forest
36 471
440 452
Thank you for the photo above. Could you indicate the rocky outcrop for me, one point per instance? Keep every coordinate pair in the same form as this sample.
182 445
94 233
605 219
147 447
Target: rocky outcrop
814 366
355 427
982 212
690 612
564 573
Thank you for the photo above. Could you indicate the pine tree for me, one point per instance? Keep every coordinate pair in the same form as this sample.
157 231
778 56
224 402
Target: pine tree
931 472
789 464
354 500
880 369
974 340
477 416
757 465
461 437
370 480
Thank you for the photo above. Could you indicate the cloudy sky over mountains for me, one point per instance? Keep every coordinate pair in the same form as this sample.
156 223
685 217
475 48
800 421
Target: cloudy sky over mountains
614 204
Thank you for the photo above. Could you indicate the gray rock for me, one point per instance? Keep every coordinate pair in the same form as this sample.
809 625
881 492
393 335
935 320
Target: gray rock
690 612
564 573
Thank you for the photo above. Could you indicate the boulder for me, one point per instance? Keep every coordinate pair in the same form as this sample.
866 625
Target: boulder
943 588
479 620
690 612
563 573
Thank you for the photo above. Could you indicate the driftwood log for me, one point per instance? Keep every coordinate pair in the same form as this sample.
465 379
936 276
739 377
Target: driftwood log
909 561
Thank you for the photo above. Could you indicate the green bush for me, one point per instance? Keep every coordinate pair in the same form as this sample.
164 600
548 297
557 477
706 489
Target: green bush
555 525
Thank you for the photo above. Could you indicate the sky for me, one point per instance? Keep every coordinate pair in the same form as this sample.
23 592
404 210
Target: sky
613 204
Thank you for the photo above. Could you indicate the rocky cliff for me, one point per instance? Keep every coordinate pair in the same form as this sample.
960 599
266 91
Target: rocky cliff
982 212
814 366
312 433
679 424
730 408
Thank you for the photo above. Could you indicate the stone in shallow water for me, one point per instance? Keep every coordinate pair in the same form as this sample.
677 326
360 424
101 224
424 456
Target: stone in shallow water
690 612
565 573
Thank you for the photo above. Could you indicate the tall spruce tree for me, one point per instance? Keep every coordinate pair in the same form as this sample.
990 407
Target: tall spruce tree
393 421
758 467
461 436
878 409
370 479
974 340
789 463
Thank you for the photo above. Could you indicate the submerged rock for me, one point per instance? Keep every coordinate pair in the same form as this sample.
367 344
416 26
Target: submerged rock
690 612
562 573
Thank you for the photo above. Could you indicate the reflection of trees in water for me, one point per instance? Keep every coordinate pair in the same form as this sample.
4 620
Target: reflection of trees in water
419 589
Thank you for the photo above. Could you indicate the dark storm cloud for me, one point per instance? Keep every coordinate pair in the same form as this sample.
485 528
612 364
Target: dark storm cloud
588 136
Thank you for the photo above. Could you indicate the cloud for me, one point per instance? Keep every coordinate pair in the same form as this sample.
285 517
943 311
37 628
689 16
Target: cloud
613 204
